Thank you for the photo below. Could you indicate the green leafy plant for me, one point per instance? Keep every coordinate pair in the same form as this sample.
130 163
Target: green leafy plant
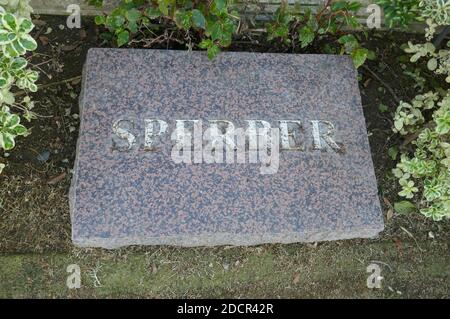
400 13
424 169
212 22
328 23
10 127
436 10
20 8
280 26
15 42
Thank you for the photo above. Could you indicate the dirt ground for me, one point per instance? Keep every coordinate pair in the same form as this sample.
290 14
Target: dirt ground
35 246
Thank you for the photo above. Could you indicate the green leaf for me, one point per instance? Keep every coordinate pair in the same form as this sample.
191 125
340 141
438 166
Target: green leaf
354 6
13 121
9 21
213 51
32 87
383 108
306 36
4 37
3 82
19 47
359 56
133 27
443 123
198 18
153 13
27 42
115 21
371 55
133 15
32 75
123 37
216 31
100 20
106 36
10 51
404 207
20 130
19 64
26 26
183 19
7 141
96 3
393 152
339 5
432 64
163 6
2 142
398 124
350 42
353 21
205 43
219 5
7 97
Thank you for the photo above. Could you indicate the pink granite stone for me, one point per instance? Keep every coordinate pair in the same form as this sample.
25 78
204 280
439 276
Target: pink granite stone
124 197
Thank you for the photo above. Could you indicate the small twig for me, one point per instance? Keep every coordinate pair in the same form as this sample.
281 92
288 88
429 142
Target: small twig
94 275
322 11
441 36
41 63
43 86
24 109
381 263
412 137
40 69
374 75
411 235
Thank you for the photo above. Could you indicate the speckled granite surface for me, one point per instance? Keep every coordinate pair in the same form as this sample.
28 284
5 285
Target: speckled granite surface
137 197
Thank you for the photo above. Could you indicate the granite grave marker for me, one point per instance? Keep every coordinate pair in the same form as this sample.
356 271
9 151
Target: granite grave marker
247 149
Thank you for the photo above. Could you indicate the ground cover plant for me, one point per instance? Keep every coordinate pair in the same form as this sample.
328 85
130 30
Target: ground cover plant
15 42
424 168
211 25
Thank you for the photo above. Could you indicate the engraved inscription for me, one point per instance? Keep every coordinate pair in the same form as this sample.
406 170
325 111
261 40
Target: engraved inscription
188 136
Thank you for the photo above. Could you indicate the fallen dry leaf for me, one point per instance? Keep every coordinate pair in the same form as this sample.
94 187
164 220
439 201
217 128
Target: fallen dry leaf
39 23
70 47
83 33
44 40
390 214
387 202
398 244
154 269
57 179
76 81
296 278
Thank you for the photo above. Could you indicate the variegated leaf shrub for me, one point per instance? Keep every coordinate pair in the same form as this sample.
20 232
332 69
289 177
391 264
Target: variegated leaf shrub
15 43
424 170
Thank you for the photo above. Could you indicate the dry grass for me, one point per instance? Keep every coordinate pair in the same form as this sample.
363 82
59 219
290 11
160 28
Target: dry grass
330 270
34 216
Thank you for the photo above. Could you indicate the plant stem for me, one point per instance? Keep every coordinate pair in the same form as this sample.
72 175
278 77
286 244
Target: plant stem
441 36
